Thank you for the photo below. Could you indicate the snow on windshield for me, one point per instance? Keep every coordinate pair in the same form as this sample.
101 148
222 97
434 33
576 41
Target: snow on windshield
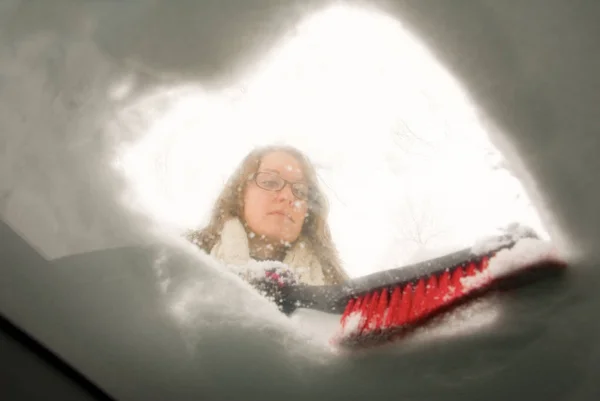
407 167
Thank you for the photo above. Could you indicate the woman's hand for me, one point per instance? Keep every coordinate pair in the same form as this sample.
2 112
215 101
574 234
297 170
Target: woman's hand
274 285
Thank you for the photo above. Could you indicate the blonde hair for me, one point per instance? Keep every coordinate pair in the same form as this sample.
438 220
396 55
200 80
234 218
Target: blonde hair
315 230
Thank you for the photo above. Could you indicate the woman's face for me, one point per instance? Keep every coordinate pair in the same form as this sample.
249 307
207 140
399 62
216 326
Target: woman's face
275 201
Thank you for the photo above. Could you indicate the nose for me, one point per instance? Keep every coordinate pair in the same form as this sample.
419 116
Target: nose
285 194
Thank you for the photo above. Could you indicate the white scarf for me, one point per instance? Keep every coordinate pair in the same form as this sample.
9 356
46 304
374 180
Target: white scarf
233 248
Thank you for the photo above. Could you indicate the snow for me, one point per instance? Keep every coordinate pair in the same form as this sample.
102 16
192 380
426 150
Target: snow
87 165
320 326
509 234
477 281
152 172
215 297
473 317
351 325
524 253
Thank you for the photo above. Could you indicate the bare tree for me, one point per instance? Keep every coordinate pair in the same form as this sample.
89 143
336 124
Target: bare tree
421 224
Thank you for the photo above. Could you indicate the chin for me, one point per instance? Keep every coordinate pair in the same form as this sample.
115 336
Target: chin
279 238
276 236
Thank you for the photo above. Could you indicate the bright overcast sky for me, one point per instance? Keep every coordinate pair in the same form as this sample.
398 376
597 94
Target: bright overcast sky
406 165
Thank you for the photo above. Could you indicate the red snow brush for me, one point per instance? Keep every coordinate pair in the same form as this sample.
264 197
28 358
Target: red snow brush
387 313
386 305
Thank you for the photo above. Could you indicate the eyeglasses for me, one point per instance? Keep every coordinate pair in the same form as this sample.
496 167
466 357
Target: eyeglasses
273 182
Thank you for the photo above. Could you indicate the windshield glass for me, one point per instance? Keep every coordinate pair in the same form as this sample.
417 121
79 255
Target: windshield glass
98 150
156 177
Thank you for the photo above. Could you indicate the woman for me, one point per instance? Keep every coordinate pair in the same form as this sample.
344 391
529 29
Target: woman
273 209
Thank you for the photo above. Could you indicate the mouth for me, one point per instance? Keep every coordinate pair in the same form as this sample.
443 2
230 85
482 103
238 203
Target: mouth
280 213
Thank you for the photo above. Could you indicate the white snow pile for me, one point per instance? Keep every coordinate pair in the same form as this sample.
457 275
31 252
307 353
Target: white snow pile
477 281
208 285
211 301
512 233
321 326
525 253
352 324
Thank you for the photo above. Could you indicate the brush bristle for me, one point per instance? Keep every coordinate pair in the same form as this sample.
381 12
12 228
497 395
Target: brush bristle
386 312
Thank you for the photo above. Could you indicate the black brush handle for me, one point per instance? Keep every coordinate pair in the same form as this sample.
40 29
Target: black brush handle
334 298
